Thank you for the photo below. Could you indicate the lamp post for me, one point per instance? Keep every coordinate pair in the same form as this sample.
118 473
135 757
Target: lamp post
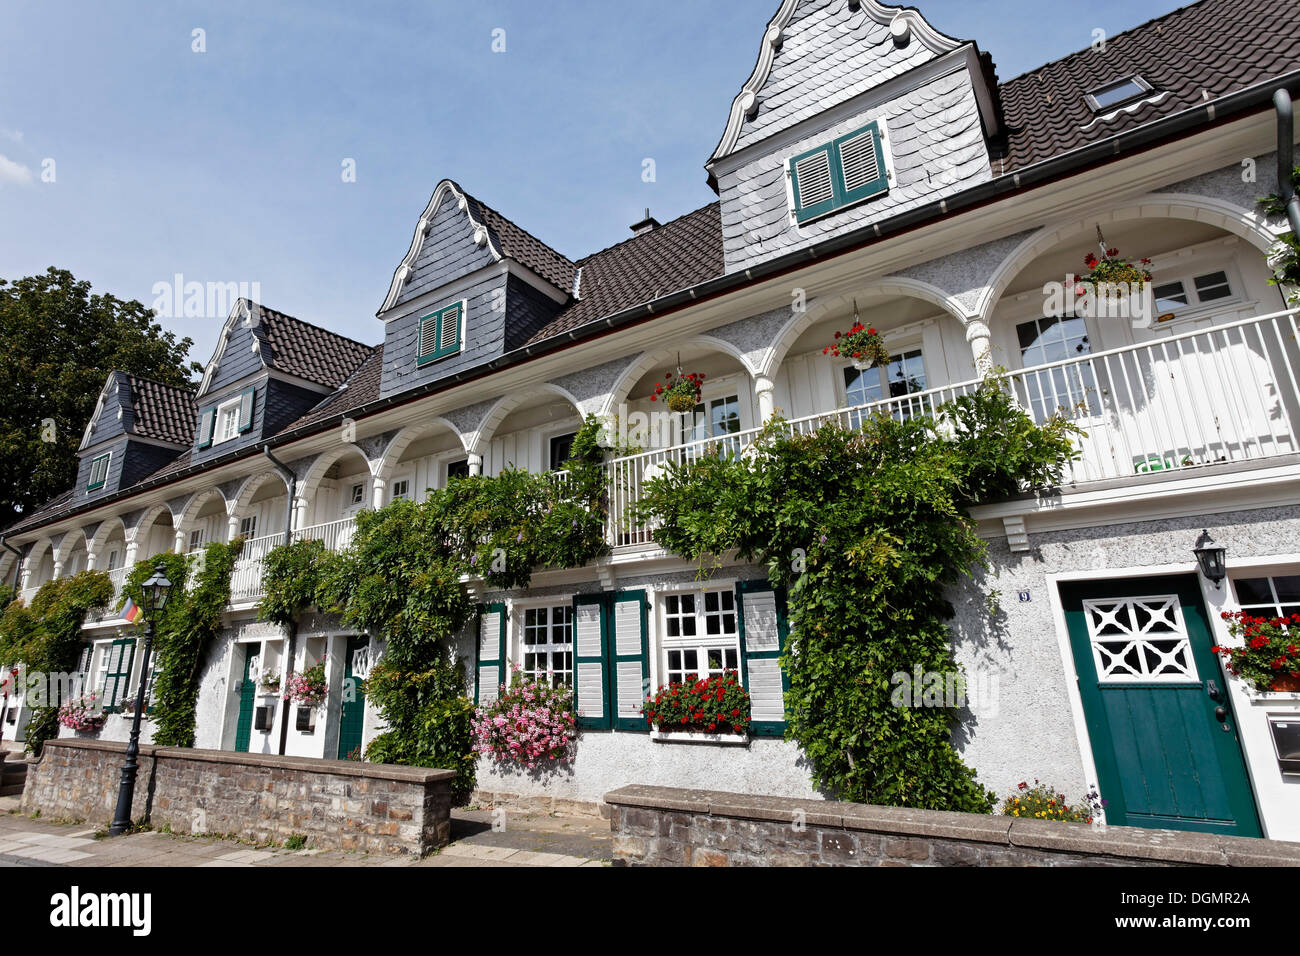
154 592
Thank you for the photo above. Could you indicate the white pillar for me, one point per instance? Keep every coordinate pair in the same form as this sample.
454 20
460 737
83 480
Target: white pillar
763 389
129 559
24 577
377 493
977 334
299 513
92 559
475 464
58 568
179 544
232 527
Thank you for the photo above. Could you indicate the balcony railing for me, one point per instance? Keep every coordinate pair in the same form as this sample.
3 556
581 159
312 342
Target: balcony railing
246 578
1222 394
336 534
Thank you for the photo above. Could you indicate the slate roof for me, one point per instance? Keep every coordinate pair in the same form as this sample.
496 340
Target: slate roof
1218 46
308 351
522 246
162 412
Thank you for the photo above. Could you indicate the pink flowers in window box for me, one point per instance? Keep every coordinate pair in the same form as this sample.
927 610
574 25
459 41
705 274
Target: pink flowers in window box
529 725
84 713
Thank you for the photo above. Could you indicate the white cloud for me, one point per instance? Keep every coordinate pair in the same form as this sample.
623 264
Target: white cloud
12 172
14 134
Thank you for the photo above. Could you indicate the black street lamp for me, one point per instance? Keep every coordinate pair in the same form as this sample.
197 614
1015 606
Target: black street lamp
154 591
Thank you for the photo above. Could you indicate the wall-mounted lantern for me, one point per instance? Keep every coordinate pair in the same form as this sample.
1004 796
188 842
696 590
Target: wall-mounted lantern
1211 558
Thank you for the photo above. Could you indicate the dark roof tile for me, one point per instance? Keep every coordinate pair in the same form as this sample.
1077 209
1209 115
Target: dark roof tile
308 351
162 412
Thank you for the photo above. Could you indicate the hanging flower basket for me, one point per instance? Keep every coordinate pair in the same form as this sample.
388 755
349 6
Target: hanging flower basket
307 688
1111 273
680 394
1269 659
861 344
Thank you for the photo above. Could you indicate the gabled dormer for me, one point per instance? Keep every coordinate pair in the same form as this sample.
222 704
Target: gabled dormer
138 427
268 369
472 286
855 112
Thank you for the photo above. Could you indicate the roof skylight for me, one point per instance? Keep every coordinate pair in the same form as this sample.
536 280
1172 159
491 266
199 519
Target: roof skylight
1117 93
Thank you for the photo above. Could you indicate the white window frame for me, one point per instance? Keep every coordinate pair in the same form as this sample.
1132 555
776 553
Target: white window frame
248 526
1195 306
519 613
218 428
701 642
1274 609
910 344
195 545
409 494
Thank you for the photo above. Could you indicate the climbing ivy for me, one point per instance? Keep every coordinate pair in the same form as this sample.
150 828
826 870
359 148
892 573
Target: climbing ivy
184 632
46 637
867 528
1284 259
401 581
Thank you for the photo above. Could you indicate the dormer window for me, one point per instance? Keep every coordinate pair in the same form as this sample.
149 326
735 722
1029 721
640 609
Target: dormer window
1105 98
439 333
228 420
848 170
98 472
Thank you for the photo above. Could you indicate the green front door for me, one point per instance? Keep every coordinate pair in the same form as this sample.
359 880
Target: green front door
352 711
247 699
1163 733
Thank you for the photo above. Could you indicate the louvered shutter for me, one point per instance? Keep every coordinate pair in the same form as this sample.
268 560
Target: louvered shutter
98 472
631 671
763 632
590 640
206 423
449 331
246 409
428 337
813 182
117 677
490 656
861 164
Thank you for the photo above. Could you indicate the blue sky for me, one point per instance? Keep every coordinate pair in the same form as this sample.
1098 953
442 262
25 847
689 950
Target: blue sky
225 166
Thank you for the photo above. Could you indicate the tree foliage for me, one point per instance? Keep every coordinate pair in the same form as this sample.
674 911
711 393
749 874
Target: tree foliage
867 528
60 343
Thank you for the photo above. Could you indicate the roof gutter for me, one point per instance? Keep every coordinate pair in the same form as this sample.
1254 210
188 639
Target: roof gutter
1249 99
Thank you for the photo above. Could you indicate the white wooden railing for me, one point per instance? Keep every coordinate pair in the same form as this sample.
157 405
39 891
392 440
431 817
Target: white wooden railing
337 535
246 578
1219 394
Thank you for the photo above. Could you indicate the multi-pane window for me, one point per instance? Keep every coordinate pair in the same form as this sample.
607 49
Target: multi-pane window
357 494
114 560
227 421
1277 596
716 418
1068 389
1212 286
700 634
561 450
458 469
547 644
248 527
1177 295
196 539
904 375
402 488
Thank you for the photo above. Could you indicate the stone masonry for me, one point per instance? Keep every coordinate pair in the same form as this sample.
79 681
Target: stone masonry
336 804
666 826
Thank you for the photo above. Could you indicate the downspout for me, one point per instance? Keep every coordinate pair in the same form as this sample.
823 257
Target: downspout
291 482
1286 158
18 565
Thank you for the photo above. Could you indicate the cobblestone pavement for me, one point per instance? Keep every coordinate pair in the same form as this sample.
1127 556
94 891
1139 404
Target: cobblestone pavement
525 840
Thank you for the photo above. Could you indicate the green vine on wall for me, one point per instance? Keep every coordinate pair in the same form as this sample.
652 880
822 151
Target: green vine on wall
1284 259
46 637
867 528
401 582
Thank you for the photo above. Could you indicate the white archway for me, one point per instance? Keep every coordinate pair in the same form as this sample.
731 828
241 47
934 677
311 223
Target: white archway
1203 209
392 453
648 360
104 533
309 482
195 505
244 496
477 441
68 543
819 309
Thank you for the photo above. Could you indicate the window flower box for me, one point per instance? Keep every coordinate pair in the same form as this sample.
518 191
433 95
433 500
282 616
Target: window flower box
1268 660
699 737
708 709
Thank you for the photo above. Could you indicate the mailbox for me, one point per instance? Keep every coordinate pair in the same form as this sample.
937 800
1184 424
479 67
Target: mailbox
264 718
1286 742
306 721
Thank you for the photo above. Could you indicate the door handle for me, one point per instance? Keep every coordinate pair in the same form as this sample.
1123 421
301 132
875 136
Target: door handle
1212 689
1221 714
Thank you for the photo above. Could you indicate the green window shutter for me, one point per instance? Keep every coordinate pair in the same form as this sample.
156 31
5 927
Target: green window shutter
207 421
246 409
439 333
490 655
590 667
117 677
861 165
764 629
813 180
847 170
98 472
630 674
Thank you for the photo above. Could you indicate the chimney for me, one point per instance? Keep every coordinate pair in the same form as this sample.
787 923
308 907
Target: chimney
645 225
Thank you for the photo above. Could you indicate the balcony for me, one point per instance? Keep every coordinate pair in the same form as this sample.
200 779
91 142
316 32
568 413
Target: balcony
1179 402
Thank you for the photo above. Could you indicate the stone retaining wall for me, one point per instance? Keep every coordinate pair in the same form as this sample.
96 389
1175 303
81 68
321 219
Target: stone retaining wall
336 804
666 826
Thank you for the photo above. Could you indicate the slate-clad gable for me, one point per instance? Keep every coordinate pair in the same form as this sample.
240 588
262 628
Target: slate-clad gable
447 253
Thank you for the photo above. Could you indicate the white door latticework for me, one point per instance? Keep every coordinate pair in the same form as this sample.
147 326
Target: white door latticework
1140 639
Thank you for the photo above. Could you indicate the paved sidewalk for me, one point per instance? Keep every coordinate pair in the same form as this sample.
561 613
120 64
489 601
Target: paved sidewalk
526 840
